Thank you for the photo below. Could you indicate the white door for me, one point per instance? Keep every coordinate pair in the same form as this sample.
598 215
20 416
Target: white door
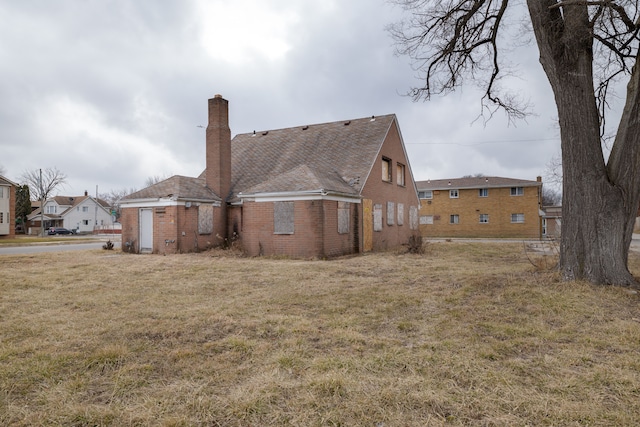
146 230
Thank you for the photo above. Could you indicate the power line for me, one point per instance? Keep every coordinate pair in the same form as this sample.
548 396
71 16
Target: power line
483 142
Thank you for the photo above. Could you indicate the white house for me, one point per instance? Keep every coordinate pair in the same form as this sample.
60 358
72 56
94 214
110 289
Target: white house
82 213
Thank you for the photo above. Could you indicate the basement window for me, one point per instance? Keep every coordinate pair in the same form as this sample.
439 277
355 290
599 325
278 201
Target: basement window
283 219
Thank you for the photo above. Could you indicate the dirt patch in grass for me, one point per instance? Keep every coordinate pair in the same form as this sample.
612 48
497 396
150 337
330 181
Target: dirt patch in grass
464 334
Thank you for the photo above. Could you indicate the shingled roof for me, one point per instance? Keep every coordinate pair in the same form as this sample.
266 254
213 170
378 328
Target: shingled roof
335 157
475 182
178 187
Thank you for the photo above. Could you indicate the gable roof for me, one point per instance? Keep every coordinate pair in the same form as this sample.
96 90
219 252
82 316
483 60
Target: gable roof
7 181
67 202
335 156
178 187
475 182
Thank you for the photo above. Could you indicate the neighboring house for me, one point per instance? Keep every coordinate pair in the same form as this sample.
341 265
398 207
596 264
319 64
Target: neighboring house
7 208
82 213
551 222
309 191
480 207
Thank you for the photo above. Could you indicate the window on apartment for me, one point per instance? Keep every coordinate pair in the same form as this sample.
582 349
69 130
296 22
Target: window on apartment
51 209
85 209
517 191
483 192
427 194
386 169
454 219
391 212
453 194
283 220
343 217
85 222
426 219
484 218
517 217
400 174
1 192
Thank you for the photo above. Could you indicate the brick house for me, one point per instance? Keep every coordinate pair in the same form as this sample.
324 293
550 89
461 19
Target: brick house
309 191
481 207
7 208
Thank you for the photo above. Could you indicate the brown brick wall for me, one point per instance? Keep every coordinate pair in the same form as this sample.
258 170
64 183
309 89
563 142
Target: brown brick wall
176 224
381 192
499 205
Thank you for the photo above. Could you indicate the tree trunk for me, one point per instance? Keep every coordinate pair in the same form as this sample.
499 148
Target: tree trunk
595 209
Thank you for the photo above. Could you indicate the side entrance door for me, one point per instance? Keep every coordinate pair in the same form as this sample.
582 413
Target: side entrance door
367 225
146 230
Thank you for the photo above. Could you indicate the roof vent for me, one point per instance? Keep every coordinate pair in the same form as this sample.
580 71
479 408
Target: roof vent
265 132
347 123
373 119
254 133
305 128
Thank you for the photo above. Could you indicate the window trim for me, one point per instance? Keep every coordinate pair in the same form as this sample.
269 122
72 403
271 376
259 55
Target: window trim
517 218
516 191
428 194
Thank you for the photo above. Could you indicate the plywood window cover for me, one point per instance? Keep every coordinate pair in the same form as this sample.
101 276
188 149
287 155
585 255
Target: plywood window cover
283 218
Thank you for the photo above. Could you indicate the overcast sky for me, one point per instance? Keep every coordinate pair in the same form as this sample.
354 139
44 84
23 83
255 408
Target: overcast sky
112 92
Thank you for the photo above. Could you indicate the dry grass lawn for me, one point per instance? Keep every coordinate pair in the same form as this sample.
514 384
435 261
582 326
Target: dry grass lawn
466 334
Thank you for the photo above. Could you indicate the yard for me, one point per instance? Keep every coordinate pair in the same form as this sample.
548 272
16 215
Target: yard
466 334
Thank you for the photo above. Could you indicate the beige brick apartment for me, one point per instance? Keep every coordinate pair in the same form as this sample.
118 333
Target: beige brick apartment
486 206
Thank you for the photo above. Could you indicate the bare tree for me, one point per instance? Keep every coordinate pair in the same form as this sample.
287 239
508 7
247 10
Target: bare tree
154 180
550 197
43 182
584 46
113 197
2 170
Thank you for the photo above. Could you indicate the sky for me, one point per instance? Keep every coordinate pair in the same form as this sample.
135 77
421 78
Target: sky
112 92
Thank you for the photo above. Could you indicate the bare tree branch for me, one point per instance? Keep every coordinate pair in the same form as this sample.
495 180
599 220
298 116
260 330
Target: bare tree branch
43 182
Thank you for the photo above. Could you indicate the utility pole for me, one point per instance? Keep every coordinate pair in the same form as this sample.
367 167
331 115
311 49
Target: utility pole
41 205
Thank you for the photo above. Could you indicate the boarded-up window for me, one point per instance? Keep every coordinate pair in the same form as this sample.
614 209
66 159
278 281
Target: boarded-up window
343 217
283 218
391 213
413 217
205 219
400 213
377 217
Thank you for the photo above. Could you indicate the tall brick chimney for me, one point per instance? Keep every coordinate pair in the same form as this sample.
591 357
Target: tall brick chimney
218 173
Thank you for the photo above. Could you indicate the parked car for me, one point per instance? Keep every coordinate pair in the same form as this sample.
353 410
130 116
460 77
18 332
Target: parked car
60 230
